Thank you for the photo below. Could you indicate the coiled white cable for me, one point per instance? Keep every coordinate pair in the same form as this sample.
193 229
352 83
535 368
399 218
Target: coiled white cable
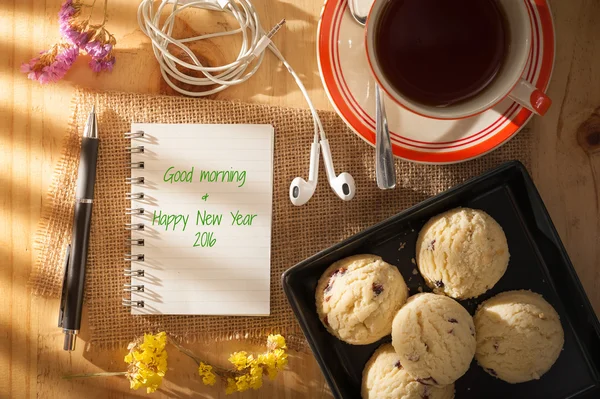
254 42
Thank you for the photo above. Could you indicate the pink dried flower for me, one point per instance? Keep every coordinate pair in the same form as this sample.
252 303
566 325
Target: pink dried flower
105 64
97 49
27 67
95 40
74 34
51 65
68 10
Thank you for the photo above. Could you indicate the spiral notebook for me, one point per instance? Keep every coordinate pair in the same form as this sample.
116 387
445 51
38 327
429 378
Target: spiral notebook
201 208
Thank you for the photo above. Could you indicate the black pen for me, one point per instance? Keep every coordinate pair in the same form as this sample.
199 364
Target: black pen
74 280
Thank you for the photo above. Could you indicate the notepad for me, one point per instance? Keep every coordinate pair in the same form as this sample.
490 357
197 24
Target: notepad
201 208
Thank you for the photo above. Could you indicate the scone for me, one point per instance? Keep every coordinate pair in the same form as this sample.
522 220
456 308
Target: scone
462 253
385 378
435 338
357 298
519 336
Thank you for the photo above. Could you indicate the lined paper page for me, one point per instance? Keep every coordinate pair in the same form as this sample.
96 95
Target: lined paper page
207 219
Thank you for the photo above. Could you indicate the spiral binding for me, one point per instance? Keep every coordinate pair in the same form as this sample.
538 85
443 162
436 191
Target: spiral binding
134 211
133 287
136 149
134 180
133 258
129 272
132 227
134 135
129 302
131 196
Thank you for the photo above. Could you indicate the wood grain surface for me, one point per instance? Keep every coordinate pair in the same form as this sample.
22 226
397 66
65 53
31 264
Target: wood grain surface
33 122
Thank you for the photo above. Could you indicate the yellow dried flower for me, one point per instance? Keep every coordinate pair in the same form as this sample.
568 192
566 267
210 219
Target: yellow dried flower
208 377
273 362
280 358
276 342
240 360
231 387
147 362
255 377
268 361
251 380
248 371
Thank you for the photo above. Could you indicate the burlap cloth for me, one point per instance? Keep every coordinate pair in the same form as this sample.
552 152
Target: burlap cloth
298 232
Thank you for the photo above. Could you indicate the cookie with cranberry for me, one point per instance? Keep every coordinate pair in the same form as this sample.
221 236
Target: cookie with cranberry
384 378
435 338
462 253
357 298
519 336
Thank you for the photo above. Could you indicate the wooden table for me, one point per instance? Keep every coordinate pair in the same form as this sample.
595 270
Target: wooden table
33 122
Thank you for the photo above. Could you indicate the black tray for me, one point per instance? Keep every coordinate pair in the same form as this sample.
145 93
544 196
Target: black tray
538 262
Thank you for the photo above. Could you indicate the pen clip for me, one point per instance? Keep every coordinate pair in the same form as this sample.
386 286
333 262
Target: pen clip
63 295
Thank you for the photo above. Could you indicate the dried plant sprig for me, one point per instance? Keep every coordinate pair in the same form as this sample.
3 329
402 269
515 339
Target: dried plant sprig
248 370
88 375
147 363
77 35
51 65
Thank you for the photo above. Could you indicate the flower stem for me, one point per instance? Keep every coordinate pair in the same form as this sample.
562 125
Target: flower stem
222 372
91 7
105 12
106 374
83 4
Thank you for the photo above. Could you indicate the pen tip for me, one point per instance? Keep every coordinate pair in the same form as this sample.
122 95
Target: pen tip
91 127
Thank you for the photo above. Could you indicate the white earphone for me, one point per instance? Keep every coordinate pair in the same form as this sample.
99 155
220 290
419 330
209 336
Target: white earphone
301 190
343 184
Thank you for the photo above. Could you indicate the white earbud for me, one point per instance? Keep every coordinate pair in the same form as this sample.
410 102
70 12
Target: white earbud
343 185
301 190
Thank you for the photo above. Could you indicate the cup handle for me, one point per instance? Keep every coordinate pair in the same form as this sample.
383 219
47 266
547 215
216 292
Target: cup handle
531 97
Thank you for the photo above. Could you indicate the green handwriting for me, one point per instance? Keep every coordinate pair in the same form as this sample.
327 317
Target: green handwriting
179 176
205 239
241 219
212 176
224 176
208 219
171 220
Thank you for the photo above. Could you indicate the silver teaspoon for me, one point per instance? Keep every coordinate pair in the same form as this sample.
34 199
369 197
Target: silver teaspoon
385 170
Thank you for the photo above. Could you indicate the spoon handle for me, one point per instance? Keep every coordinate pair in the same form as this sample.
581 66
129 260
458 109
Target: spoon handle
384 159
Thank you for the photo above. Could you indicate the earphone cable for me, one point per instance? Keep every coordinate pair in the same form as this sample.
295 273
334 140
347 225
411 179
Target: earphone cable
249 59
